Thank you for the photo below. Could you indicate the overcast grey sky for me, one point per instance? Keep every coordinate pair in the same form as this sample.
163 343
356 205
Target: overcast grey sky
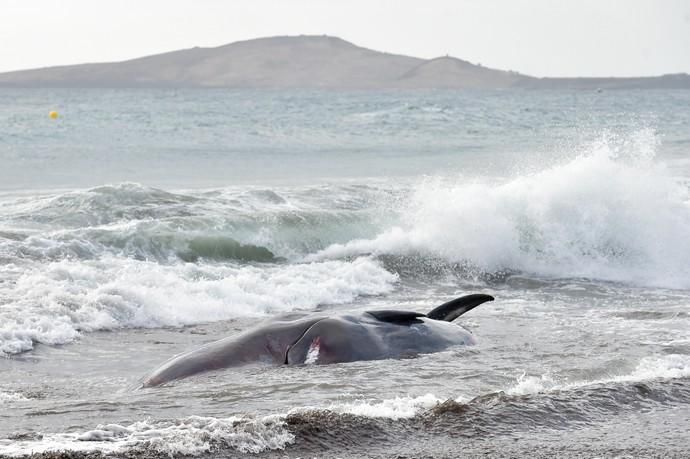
538 37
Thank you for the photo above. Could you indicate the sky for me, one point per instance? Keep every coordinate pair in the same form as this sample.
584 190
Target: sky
536 37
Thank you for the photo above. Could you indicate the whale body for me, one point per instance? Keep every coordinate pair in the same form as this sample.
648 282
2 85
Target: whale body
323 339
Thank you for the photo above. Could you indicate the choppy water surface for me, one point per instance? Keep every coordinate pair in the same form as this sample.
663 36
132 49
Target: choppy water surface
144 223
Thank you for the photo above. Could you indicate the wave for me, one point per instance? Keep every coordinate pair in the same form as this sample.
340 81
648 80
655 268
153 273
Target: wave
611 213
492 415
654 370
354 429
144 241
396 408
135 221
98 206
191 436
221 248
53 303
672 366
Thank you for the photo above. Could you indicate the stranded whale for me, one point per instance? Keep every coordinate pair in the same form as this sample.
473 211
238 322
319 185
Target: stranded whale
322 339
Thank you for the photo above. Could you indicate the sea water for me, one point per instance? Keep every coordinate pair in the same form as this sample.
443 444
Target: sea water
144 223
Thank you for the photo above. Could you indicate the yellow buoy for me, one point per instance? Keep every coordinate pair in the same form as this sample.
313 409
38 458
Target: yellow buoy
53 115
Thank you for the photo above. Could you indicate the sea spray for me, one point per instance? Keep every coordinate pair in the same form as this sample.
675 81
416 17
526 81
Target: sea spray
610 213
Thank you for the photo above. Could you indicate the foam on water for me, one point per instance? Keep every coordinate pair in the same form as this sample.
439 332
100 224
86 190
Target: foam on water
192 436
610 213
649 368
9 397
54 302
396 408
199 435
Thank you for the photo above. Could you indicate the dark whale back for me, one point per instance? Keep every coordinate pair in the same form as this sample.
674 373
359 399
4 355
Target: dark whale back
353 338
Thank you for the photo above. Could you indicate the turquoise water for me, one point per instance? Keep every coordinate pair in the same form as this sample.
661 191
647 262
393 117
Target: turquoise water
144 223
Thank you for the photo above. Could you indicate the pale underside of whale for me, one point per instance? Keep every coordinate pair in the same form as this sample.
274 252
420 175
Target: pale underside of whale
324 339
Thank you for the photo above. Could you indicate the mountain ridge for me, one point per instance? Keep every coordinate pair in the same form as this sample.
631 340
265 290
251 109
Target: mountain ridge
306 62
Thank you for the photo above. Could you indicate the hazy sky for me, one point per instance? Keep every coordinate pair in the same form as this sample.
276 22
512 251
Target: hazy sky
538 37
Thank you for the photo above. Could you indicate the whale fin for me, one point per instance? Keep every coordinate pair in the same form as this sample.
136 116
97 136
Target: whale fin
397 317
455 308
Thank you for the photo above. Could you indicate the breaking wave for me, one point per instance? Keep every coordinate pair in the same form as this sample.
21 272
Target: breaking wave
354 428
53 304
190 436
611 213
145 223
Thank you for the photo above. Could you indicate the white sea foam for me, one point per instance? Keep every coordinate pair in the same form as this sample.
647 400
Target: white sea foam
54 302
528 384
395 408
653 367
193 436
610 213
9 397
197 435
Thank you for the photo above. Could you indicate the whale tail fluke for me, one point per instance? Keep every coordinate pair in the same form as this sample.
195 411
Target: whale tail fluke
455 308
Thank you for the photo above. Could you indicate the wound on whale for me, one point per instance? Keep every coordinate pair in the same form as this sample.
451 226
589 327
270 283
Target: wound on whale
322 339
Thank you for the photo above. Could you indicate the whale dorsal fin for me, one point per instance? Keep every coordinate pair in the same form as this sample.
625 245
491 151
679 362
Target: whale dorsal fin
455 308
397 317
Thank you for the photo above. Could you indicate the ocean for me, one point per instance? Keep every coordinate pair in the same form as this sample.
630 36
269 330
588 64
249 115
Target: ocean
141 224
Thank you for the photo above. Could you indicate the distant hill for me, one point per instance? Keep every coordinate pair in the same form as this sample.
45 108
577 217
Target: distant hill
449 72
310 62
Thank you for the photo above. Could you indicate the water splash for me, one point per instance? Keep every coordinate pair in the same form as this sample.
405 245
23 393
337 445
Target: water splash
610 213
